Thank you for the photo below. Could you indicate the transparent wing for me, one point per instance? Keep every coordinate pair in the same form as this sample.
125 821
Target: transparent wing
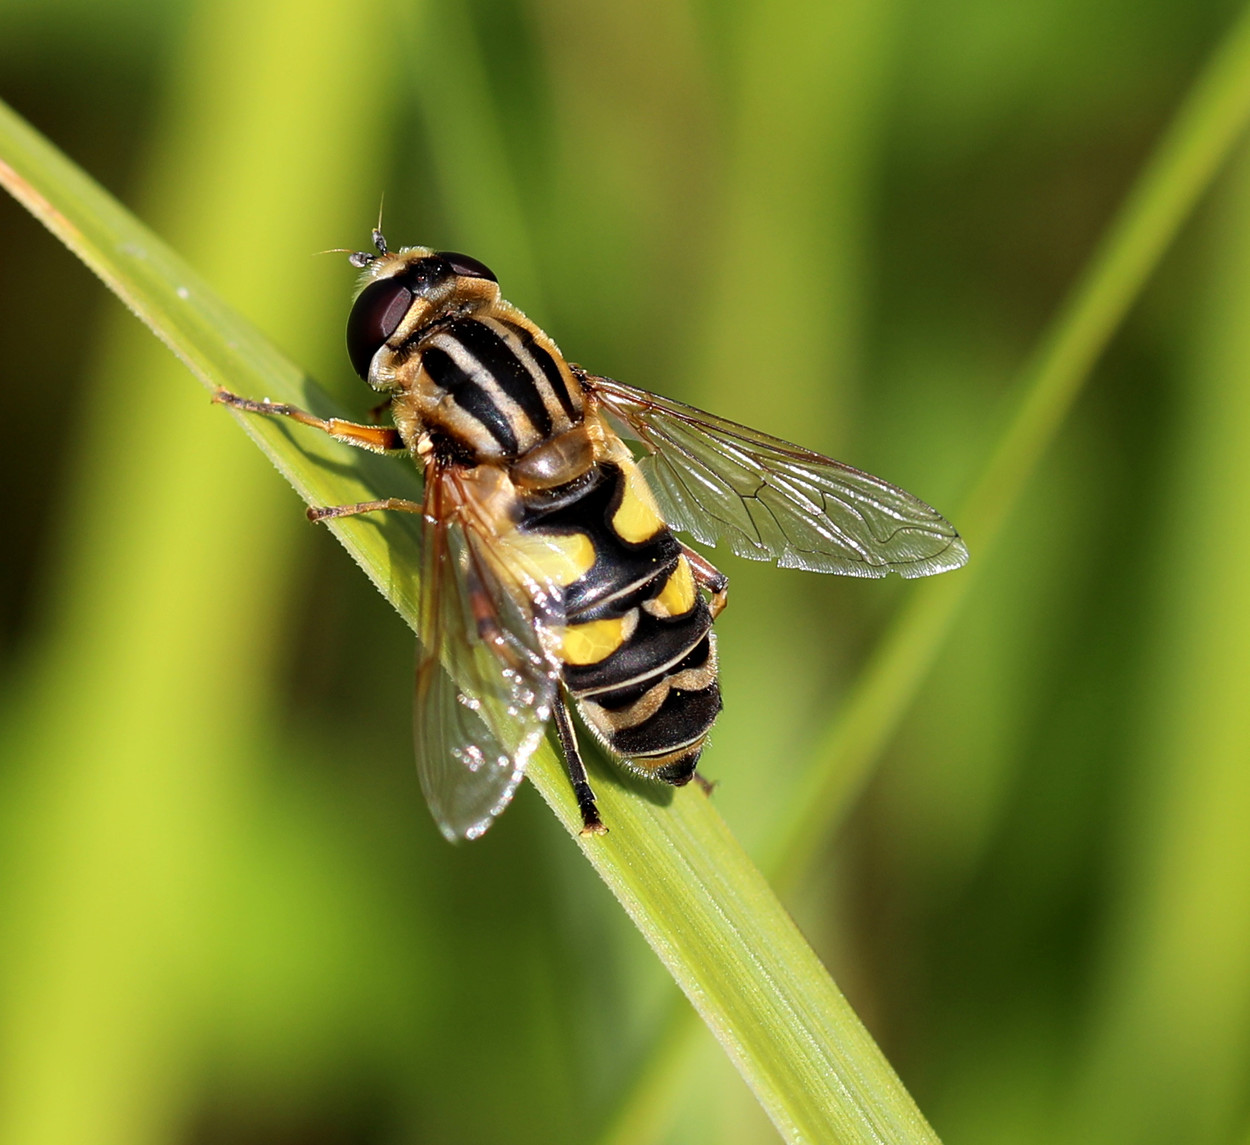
485 684
770 500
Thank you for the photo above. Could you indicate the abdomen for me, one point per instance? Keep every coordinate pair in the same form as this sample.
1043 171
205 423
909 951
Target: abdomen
637 648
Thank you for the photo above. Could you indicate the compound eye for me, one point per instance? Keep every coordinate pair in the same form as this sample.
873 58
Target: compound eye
375 317
466 265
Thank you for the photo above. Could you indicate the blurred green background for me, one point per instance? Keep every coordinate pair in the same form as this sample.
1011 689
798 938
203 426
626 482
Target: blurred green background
225 915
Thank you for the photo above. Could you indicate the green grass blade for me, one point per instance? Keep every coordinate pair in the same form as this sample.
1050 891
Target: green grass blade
135 728
1210 122
1177 948
468 145
699 901
213 343
1204 131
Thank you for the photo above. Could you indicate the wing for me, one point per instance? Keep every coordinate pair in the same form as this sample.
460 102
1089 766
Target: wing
770 500
485 683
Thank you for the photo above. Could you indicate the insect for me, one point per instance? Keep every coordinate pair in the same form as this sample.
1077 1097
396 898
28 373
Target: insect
551 572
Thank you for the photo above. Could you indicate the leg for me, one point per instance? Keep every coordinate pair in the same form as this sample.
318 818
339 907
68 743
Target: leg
396 503
592 824
376 438
707 786
709 577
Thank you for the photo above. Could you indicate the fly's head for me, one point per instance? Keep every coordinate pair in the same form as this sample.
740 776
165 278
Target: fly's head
405 291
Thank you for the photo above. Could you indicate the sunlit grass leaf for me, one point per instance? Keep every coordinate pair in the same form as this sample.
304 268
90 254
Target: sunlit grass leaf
670 860
1204 131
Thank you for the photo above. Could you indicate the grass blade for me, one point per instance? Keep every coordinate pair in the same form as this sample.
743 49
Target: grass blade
135 810
699 901
1177 944
1203 133
1210 122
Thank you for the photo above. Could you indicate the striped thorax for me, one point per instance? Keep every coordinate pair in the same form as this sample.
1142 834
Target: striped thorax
461 364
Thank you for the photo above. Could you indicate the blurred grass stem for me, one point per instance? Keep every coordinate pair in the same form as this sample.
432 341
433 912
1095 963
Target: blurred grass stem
699 901
1205 130
1208 125
147 773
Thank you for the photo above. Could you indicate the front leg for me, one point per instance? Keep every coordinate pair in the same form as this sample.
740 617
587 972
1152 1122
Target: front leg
375 438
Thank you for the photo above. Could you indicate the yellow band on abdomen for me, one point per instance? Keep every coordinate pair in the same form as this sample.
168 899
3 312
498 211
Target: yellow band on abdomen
677 597
593 641
638 518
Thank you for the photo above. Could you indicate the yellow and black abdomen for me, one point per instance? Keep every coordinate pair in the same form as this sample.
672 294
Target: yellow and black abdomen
637 646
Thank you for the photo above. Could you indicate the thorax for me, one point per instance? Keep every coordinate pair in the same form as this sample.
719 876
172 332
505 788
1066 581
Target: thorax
488 386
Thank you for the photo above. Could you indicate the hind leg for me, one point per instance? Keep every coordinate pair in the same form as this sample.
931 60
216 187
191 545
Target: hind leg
591 823
708 576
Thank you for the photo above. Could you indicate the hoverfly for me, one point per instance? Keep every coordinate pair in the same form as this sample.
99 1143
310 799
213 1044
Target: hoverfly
551 571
